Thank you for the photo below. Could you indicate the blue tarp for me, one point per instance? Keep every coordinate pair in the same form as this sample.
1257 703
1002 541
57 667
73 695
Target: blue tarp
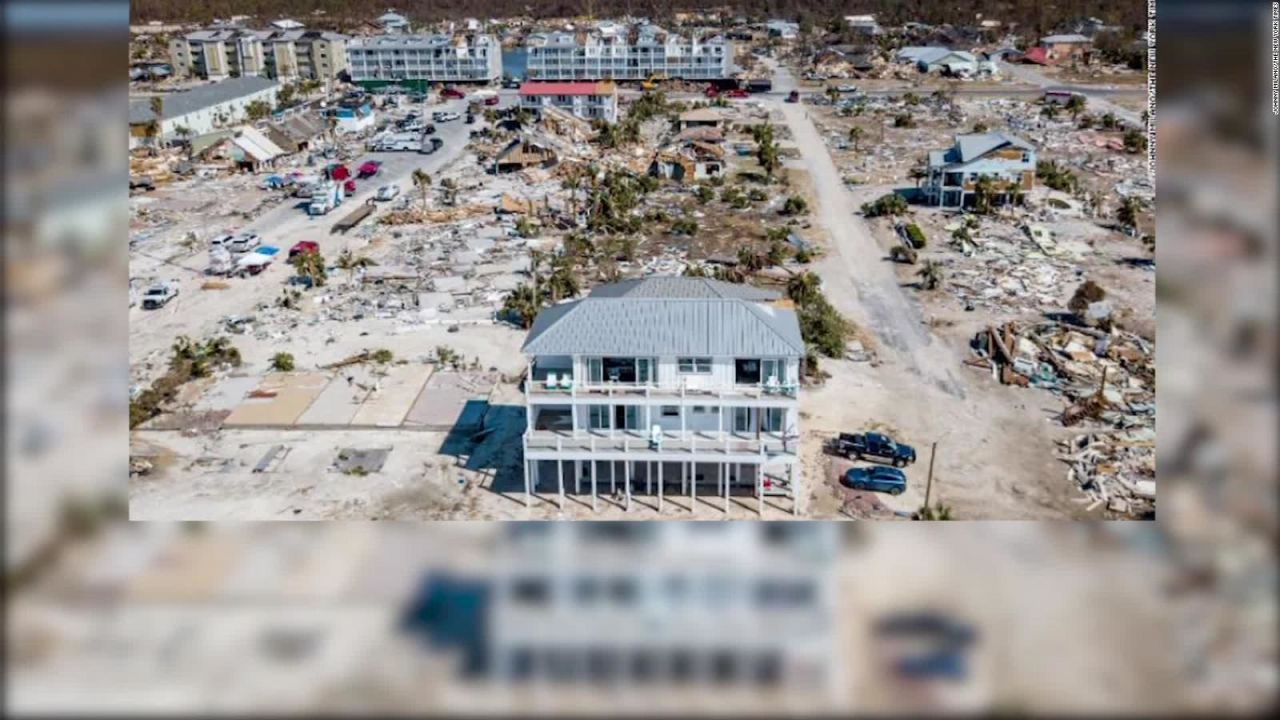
267 250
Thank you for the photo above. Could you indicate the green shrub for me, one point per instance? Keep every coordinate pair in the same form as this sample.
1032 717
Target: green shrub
916 236
282 362
890 204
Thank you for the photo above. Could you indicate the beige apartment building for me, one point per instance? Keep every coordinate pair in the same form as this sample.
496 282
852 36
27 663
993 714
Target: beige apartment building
277 54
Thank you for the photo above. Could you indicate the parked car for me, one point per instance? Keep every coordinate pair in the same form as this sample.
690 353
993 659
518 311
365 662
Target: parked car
511 83
452 93
159 295
847 88
141 182
876 478
491 100
430 129
369 169
793 96
875 446
221 242
471 118
339 172
387 192
737 93
244 242
938 644
303 246
442 116
712 91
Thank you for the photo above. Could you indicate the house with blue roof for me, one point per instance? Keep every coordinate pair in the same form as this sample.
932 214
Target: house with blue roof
953 174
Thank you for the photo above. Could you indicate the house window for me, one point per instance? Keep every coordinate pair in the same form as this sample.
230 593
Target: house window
695 366
670 411
598 417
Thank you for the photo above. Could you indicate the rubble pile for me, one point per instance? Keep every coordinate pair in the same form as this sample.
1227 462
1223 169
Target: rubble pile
1106 379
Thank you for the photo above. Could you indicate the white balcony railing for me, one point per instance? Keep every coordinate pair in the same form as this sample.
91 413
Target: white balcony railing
571 388
709 444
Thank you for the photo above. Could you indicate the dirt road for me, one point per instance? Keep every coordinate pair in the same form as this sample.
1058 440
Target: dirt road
857 276
1096 100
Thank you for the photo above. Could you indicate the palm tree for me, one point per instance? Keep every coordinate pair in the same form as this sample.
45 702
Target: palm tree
832 93
1128 211
984 191
572 183
749 261
422 181
310 264
563 283
157 109
524 302
768 157
1076 105
804 287
350 262
855 134
930 275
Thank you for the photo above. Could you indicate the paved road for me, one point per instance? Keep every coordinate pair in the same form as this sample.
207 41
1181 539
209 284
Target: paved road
860 282
1095 96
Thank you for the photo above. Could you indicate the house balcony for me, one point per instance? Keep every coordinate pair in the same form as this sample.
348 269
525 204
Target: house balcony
637 445
562 388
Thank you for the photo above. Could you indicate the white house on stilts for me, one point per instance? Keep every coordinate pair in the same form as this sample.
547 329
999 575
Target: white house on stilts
650 389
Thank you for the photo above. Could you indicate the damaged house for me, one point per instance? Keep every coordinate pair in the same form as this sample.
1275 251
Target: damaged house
693 160
952 180
524 153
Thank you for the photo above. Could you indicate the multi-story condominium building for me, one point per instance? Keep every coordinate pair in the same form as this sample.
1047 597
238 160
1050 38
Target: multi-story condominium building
305 54
218 54
661 386
953 174
278 54
745 608
414 60
620 52
587 100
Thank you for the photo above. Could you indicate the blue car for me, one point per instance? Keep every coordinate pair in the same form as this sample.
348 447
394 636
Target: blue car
879 479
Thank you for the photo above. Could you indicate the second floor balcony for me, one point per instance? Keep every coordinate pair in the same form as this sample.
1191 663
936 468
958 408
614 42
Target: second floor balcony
632 377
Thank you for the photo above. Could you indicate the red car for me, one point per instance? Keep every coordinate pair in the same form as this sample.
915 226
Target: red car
339 172
369 169
303 246
737 93
712 91
491 100
452 93
349 186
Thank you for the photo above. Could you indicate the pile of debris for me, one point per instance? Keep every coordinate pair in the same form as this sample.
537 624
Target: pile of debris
1105 378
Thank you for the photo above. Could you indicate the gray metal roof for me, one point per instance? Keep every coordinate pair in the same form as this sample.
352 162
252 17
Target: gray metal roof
681 287
668 316
178 104
1072 38
978 144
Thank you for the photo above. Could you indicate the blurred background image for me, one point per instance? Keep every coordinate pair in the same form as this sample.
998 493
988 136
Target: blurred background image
111 617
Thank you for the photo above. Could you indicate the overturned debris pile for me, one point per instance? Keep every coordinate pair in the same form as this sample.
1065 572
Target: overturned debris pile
1106 379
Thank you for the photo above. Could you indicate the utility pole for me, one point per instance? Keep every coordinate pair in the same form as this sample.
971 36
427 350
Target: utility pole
928 487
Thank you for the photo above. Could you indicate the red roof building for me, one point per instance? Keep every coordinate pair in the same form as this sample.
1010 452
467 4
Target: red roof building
1037 55
586 100
540 89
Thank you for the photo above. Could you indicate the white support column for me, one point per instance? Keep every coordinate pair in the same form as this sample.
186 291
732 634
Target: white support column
760 488
613 485
693 486
659 487
627 467
725 472
792 481
684 409
595 467
560 477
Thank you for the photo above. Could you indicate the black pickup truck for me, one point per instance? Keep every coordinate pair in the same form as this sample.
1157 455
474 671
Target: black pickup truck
873 446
